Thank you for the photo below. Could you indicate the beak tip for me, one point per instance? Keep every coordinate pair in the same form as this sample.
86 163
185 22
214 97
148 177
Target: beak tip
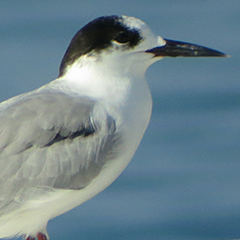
227 55
220 54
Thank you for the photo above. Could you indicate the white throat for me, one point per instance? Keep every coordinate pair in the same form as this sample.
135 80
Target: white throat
103 78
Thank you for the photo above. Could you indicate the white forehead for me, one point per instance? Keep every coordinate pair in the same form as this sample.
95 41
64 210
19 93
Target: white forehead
147 34
134 23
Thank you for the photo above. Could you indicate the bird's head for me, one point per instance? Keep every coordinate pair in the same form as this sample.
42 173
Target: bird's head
128 43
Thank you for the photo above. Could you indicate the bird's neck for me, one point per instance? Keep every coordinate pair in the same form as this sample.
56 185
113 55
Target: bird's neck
101 80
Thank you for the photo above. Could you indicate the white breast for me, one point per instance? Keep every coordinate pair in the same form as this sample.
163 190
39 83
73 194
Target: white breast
129 102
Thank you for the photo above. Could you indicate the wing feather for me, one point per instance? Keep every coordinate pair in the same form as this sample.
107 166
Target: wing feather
51 141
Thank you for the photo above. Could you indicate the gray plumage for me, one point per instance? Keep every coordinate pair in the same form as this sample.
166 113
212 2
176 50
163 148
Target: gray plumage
43 140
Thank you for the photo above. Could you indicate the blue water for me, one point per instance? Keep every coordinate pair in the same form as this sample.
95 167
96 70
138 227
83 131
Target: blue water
184 181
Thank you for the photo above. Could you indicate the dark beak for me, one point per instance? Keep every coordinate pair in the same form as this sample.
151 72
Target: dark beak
183 49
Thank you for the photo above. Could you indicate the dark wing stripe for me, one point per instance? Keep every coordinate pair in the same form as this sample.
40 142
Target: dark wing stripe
84 132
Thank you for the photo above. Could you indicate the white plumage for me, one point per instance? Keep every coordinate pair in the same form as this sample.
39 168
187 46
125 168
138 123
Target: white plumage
63 143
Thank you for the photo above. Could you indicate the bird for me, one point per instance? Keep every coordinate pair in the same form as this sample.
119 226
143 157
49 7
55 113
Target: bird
65 142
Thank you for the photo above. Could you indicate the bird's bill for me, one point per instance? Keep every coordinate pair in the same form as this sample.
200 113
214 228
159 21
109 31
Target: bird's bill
183 49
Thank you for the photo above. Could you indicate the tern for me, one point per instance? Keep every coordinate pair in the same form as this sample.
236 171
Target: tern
68 140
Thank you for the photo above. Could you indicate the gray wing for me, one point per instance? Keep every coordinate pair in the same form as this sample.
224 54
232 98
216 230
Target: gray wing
51 140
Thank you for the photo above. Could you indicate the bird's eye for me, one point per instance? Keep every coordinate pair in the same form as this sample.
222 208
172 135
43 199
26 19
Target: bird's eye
122 37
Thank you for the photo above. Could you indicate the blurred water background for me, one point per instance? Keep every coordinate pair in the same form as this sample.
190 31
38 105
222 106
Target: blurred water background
184 181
